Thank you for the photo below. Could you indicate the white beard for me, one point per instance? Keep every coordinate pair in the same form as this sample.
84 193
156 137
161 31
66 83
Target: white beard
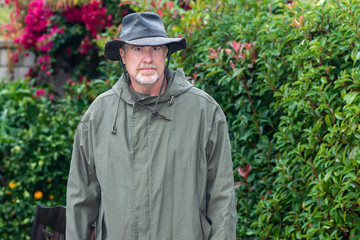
147 79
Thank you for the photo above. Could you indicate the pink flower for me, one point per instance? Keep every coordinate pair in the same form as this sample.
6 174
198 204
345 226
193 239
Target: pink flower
30 71
68 51
82 78
125 12
44 62
27 39
71 82
73 15
85 45
44 43
39 92
94 17
109 18
15 57
37 20
44 59
38 17
51 96
55 30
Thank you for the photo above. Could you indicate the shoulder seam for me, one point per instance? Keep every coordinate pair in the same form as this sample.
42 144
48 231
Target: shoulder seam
212 101
199 95
91 108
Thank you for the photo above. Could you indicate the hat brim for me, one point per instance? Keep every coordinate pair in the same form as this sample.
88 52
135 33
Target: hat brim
112 47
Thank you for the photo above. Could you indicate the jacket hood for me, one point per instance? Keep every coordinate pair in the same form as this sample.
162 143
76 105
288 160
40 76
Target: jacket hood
176 85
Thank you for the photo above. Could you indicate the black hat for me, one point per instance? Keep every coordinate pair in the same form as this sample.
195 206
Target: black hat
142 29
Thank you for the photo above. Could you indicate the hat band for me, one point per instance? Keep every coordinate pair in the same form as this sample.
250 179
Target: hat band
142 37
129 36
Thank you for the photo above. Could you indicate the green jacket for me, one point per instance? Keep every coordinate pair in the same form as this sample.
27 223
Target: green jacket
153 178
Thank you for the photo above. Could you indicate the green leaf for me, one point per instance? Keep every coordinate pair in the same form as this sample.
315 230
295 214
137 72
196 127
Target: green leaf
214 72
350 97
354 152
237 72
339 116
327 120
328 175
289 229
357 57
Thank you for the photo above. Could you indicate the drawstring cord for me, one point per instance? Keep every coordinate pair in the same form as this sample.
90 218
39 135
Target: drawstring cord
154 111
113 127
162 84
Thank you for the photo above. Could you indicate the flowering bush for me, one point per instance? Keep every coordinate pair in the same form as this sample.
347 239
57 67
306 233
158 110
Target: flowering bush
36 137
286 75
48 32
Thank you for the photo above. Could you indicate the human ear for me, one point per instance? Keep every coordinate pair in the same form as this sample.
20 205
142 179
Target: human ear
122 55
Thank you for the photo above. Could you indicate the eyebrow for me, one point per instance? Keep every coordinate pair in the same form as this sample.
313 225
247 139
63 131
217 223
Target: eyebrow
135 46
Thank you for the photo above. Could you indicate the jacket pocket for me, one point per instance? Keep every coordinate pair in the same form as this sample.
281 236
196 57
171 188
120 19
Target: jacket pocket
205 227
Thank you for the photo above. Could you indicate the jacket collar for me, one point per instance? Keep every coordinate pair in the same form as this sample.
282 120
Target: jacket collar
177 84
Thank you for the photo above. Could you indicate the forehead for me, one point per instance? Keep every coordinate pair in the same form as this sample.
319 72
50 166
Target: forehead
136 46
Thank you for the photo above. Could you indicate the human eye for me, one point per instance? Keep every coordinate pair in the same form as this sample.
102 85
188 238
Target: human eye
137 49
156 48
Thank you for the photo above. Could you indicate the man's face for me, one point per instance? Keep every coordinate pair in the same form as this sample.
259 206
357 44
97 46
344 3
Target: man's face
145 64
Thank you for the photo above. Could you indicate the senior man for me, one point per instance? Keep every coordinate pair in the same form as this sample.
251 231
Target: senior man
151 156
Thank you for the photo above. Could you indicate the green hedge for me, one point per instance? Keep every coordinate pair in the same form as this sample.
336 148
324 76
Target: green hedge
287 76
311 55
36 138
292 101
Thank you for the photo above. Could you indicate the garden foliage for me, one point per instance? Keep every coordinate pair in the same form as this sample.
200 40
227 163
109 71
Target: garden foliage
36 135
61 35
287 75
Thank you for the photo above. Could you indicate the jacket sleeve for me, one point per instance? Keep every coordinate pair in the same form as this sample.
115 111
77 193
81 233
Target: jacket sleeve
83 190
221 201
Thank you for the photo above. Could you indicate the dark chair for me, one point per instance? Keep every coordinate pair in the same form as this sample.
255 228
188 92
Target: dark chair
49 217
53 218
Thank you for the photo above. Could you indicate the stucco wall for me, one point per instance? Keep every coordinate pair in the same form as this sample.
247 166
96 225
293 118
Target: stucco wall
10 71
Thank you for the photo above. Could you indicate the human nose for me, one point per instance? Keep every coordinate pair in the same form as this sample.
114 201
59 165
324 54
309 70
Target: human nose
148 54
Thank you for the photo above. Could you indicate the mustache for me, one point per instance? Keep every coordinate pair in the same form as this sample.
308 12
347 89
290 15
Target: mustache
146 66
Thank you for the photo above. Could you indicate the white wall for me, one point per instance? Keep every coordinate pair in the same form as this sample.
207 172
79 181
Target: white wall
19 69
